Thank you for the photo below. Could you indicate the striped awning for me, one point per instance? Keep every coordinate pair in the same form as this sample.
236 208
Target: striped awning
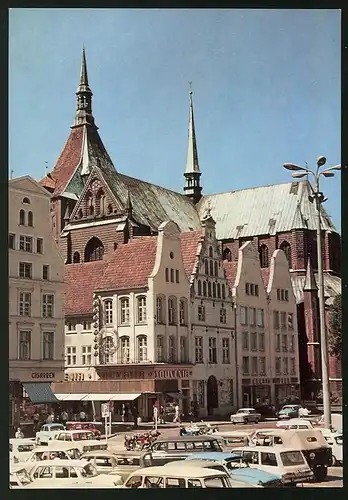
39 392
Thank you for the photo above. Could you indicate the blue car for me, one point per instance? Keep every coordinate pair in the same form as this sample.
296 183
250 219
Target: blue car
238 471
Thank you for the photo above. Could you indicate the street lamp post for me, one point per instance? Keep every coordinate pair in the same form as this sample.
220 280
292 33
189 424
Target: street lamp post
319 198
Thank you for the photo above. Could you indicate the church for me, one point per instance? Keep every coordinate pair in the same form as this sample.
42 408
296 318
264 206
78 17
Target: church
95 210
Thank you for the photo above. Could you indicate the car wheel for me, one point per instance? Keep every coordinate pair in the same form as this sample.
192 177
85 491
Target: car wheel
320 473
257 421
333 461
245 421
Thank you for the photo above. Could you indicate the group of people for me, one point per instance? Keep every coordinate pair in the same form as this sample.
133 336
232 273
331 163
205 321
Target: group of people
126 410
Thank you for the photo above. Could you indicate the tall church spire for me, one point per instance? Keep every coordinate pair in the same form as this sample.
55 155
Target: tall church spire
192 188
83 97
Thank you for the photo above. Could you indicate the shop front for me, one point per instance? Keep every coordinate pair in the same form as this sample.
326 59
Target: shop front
256 392
287 390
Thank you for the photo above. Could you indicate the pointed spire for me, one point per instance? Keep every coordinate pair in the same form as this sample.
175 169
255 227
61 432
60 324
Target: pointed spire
310 283
192 173
83 97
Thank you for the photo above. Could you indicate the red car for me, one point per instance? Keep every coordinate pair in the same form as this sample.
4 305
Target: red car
86 426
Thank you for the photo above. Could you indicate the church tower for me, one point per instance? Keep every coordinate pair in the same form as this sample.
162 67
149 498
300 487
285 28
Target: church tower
192 188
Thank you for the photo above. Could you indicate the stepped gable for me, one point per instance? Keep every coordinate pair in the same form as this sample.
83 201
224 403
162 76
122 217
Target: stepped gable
80 282
189 249
130 265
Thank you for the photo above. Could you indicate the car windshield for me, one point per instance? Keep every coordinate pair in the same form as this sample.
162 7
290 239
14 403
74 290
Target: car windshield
242 411
288 408
89 471
292 458
23 477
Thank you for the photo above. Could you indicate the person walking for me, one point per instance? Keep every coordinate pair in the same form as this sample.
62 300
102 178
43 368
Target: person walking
135 415
19 434
82 416
155 417
36 420
50 418
177 413
64 417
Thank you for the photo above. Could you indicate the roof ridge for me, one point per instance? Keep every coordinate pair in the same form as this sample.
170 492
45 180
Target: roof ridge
250 188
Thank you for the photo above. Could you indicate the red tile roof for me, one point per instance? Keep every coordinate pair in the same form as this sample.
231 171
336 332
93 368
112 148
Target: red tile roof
48 182
231 272
265 276
189 246
80 283
130 265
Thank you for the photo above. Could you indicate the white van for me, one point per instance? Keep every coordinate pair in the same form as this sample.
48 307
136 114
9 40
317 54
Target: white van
172 476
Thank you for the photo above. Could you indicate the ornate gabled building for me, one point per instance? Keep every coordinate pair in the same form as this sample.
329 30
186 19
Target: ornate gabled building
94 209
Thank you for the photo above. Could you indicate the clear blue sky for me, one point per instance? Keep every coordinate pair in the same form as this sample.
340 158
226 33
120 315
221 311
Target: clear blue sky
266 83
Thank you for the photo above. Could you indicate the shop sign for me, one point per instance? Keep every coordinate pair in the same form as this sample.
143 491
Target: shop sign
261 381
45 375
284 381
173 373
126 375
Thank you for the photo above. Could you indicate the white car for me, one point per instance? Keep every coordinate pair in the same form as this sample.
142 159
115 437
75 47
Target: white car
336 421
19 477
83 440
295 423
47 432
288 463
335 441
245 416
69 473
51 452
20 449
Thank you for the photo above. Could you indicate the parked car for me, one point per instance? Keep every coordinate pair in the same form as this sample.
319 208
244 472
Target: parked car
83 440
51 452
172 476
20 449
19 477
238 470
65 473
47 432
289 411
289 463
230 439
295 423
85 426
336 421
245 416
335 441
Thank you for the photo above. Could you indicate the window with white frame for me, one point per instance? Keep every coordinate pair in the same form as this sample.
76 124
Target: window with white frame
142 348
277 342
261 341
108 350
86 326
292 366
260 318
290 321
124 311
245 341
172 349
159 309
108 312
284 343
276 323
183 349
71 327
252 316
25 270
25 243
278 366
86 351
24 345
199 349
243 315
125 349
70 355
141 301
253 341
172 311
262 366
182 312
25 304
245 365
160 349
285 366
254 365
292 343
48 346
225 350
283 320
223 315
201 313
212 350
47 305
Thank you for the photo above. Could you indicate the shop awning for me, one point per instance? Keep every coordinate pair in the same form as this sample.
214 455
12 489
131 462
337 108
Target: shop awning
71 397
125 397
40 392
176 395
98 397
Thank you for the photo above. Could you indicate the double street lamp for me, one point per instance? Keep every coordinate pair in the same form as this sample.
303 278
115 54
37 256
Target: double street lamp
318 197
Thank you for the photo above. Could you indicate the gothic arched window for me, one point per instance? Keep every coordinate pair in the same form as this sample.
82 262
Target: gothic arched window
206 267
264 256
223 291
22 218
210 251
94 250
214 290
216 269
199 287
100 201
76 258
227 255
218 290
211 268
30 219
209 289
204 288
285 246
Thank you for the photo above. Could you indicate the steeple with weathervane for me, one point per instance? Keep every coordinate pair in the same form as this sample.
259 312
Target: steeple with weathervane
83 97
192 188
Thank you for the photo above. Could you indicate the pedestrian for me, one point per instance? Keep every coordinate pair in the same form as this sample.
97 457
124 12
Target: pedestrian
135 415
19 434
36 420
50 418
155 417
161 415
82 416
64 417
177 413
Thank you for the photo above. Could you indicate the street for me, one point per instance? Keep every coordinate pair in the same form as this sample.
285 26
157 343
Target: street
335 475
